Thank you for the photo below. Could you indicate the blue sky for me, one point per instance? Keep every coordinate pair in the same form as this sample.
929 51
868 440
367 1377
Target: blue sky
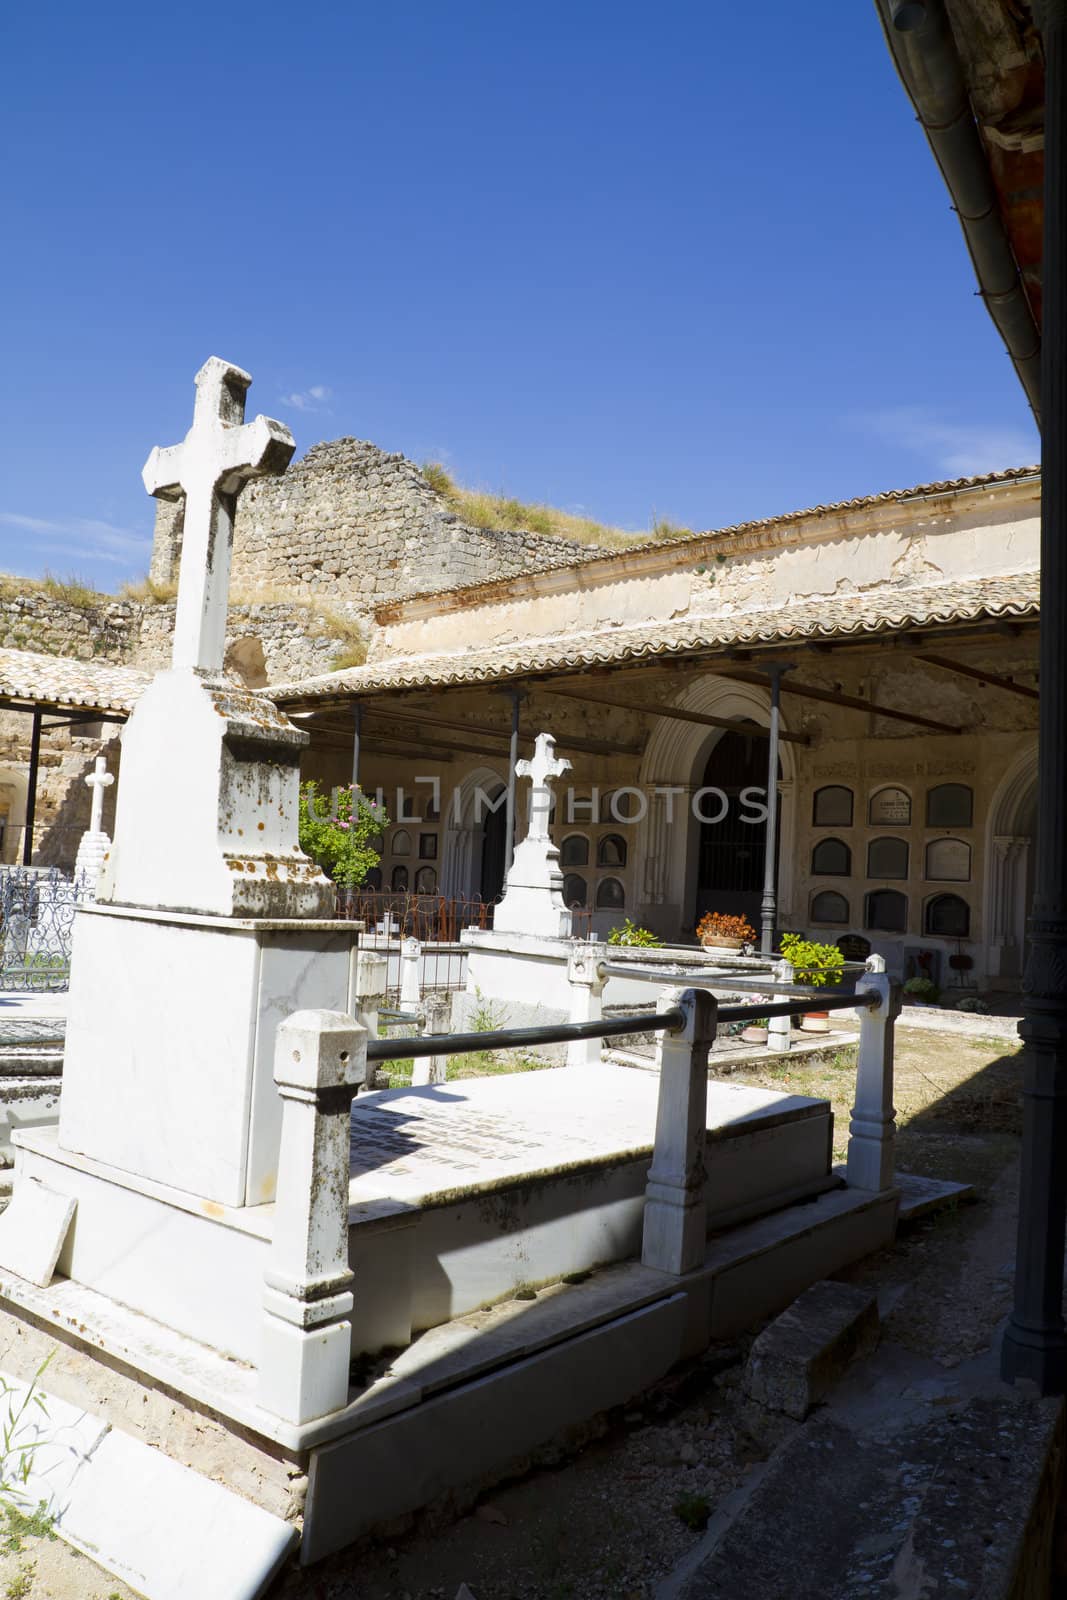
640 261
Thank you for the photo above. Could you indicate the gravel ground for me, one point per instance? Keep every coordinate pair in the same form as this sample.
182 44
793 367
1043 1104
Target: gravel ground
604 1525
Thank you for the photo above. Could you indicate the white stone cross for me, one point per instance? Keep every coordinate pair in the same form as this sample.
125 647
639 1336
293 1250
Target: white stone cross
542 771
98 781
217 456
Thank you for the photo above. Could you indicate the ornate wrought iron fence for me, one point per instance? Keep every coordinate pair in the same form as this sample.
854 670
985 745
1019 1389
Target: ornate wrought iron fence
37 906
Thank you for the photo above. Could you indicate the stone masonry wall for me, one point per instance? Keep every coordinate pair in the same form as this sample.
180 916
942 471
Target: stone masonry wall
363 526
265 642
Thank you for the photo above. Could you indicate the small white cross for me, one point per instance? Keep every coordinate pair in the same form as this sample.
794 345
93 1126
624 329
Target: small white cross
99 780
217 456
543 771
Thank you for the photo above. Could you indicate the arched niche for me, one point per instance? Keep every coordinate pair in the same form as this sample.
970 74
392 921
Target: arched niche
831 858
830 907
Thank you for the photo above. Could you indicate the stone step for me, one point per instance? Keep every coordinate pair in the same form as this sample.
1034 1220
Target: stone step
802 1353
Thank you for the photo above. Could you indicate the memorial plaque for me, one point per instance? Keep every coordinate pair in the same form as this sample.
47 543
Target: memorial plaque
854 947
891 808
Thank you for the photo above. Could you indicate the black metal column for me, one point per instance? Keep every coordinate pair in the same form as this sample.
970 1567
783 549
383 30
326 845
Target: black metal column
357 733
513 757
769 903
31 790
1035 1344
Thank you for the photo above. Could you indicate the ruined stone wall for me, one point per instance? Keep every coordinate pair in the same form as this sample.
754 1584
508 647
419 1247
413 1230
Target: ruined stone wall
265 642
363 526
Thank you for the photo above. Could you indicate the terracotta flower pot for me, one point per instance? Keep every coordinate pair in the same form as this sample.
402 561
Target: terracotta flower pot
720 941
754 1035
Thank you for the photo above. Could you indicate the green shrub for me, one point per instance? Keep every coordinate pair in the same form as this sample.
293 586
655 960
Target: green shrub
631 934
813 963
335 831
972 1003
924 990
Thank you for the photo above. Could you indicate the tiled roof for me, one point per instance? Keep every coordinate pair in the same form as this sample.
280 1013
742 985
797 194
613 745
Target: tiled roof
876 610
585 556
62 681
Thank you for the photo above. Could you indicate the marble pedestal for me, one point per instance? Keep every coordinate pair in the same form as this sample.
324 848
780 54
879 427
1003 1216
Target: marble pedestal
183 1094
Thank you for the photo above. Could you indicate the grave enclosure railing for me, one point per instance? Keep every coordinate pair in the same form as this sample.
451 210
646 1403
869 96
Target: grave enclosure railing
37 908
322 1059
685 1022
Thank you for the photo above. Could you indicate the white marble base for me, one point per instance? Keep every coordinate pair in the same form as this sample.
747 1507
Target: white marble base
458 1195
522 977
183 1092
157 1525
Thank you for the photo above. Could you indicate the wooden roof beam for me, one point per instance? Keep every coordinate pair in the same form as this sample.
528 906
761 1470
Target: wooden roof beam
851 702
992 678
735 724
596 747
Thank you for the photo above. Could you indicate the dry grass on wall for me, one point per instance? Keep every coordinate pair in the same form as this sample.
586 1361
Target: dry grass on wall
482 510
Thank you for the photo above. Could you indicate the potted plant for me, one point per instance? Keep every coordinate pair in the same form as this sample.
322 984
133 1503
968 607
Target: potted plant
718 931
814 964
755 1032
922 991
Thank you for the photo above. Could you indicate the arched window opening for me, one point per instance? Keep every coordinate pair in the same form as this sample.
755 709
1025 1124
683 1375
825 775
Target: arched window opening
831 858
611 851
829 906
832 807
610 895
399 880
950 805
575 891
947 916
887 858
574 851
886 911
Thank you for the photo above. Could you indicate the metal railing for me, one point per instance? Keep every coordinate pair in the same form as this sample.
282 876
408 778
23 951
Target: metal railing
458 1044
37 909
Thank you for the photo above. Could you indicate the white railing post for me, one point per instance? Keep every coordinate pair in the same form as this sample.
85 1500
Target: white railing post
872 1129
587 975
410 992
675 1225
779 1028
320 1060
436 1016
371 986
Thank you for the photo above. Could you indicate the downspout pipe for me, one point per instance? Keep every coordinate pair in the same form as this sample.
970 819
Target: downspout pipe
928 66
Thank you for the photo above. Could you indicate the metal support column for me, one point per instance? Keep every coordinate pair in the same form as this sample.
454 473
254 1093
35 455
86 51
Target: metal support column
769 903
513 757
1035 1343
357 730
31 790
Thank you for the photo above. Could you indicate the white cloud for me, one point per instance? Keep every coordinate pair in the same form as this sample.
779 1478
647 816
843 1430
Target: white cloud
954 449
313 399
81 536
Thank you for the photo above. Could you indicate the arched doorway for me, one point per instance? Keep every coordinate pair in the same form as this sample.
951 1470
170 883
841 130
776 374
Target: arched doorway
472 852
1011 853
732 845
668 839
494 847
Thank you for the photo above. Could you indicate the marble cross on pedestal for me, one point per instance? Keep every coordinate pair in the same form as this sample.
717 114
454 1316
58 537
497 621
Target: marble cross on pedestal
99 781
542 770
217 456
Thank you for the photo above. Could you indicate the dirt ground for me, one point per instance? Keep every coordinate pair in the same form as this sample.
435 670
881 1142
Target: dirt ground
611 1521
